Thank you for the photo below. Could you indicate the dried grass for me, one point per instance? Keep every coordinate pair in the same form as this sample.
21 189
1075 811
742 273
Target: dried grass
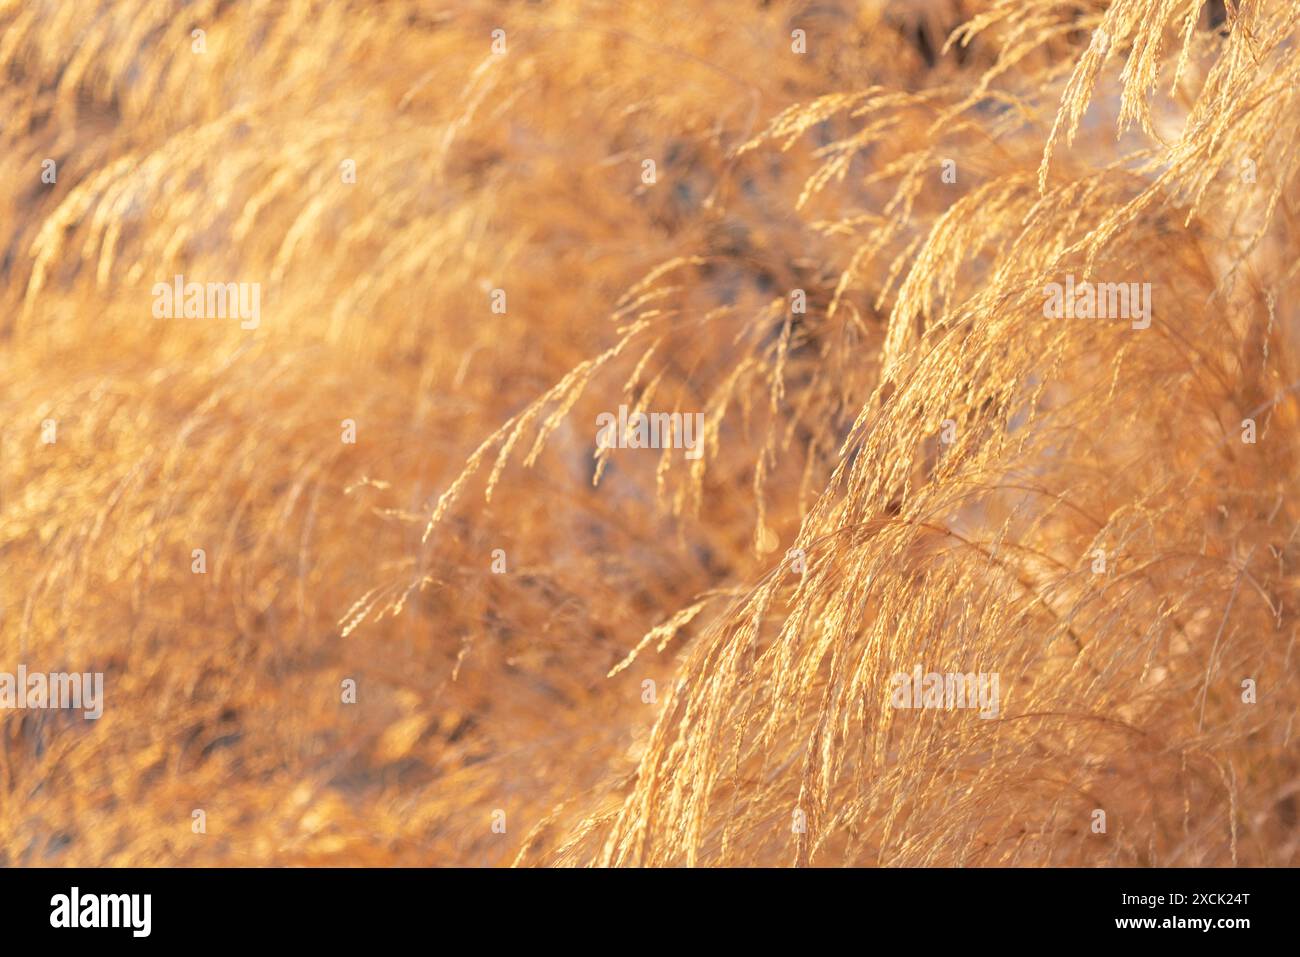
1102 140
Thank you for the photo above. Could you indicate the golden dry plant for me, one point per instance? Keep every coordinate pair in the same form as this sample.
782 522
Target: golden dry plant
366 584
